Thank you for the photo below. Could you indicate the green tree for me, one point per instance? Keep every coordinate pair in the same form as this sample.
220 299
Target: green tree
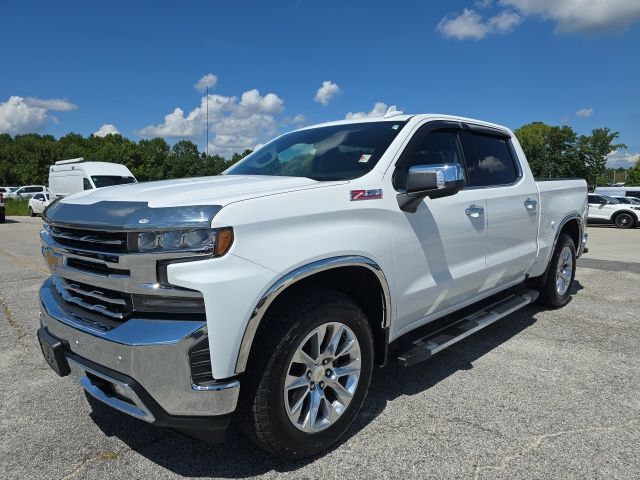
550 150
594 148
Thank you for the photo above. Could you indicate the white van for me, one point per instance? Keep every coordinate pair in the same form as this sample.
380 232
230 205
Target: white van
618 191
75 175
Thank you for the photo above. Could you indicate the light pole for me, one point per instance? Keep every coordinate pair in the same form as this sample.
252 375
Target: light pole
207 127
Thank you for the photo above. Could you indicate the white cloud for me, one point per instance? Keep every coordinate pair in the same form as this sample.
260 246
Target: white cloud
483 3
235 124
298 118
207 81
617 159
470 25
23 115
379 109
55 104
326 92
106 129
584 112
586 16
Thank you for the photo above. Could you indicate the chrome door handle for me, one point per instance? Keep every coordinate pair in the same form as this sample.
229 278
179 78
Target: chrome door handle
474 211
530 204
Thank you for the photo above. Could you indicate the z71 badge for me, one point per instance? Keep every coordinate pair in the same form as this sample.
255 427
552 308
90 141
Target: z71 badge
366 194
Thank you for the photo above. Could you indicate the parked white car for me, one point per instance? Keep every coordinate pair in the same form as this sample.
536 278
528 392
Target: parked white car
271 292
38 203
606 209
67 177
27 191
7 190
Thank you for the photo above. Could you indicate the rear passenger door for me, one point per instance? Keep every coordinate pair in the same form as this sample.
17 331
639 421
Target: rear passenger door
512 204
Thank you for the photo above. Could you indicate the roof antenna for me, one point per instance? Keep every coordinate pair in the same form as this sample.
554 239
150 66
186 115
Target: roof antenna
392 111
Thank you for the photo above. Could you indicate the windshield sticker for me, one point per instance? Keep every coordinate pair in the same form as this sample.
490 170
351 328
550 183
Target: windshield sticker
364 158
395 127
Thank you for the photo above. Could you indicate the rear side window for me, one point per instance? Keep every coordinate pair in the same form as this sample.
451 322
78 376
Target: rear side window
489 160
427 147
86 185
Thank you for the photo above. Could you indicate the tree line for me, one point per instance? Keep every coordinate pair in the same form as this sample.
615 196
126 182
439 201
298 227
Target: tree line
25 159
552 151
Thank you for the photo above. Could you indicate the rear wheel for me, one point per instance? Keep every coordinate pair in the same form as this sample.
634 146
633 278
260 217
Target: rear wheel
309 374
31 212
2 215
556 291
624 220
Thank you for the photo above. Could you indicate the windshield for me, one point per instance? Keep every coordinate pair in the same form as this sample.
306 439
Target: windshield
339 152
108 180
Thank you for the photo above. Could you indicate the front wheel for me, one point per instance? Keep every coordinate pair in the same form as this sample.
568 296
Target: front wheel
309 375
31 212
624 220
556 291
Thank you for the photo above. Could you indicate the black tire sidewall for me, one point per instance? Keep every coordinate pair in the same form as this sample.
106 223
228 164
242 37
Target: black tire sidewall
555 298
291 437
631 223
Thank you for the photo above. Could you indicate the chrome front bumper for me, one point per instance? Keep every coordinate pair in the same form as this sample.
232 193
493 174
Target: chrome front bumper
145 361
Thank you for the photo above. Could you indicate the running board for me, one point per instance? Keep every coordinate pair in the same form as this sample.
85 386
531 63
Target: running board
424 348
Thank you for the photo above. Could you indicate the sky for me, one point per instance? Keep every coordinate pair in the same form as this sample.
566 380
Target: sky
142 68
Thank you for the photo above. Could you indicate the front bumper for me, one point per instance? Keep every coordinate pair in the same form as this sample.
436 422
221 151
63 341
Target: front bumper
145 361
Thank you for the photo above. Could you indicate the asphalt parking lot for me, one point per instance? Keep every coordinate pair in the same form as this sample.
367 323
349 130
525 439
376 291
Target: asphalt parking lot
540 394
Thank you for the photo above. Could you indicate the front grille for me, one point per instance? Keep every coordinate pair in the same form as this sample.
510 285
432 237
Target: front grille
111 242
200 362
110 303
94 267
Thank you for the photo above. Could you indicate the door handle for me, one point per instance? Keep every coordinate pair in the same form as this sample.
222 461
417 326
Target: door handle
474 211
530 204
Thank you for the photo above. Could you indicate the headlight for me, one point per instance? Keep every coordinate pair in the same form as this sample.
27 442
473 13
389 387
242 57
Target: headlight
215 241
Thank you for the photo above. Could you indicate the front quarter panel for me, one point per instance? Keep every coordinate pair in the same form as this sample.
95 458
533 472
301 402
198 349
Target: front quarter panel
274 236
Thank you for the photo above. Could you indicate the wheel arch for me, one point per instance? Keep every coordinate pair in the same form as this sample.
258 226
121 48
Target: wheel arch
574 226
357 276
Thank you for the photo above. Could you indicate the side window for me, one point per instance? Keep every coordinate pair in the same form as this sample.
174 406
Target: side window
86 184
489 160
39 196
439 147
595 199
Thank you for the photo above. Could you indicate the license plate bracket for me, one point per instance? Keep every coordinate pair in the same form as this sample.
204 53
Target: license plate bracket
53 352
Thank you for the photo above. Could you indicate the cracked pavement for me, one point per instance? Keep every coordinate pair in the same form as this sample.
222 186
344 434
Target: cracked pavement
540 394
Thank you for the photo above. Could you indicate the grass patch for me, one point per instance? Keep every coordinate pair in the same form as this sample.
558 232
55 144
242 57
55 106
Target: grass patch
15 206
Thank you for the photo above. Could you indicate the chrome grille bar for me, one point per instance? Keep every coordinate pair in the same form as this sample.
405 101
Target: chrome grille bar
97 294
102 309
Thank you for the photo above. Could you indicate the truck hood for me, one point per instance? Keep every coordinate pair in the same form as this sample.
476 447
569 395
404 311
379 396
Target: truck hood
220 190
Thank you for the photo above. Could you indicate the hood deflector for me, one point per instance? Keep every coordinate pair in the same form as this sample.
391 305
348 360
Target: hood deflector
122 216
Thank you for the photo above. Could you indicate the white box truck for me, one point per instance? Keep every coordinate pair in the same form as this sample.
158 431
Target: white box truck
75 175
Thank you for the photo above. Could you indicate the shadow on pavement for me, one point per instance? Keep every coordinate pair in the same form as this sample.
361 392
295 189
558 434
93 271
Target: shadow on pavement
241 458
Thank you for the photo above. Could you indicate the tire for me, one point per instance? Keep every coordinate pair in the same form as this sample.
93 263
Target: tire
2 216
31 213
624 220
264 406
551 294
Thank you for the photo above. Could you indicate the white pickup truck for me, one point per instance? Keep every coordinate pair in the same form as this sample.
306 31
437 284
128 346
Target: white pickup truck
272 291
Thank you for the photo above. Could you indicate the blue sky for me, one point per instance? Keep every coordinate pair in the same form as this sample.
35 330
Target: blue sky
75 66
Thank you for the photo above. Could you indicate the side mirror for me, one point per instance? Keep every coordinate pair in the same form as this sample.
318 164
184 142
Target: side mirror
433 181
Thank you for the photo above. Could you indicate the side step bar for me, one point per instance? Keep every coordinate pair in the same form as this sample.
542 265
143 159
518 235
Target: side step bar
424 348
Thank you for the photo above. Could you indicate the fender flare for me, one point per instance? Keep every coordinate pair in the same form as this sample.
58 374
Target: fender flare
295 276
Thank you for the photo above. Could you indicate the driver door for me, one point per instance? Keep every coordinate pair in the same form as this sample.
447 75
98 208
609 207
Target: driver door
440 249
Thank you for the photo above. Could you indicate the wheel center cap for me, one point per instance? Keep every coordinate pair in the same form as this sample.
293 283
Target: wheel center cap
317 373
